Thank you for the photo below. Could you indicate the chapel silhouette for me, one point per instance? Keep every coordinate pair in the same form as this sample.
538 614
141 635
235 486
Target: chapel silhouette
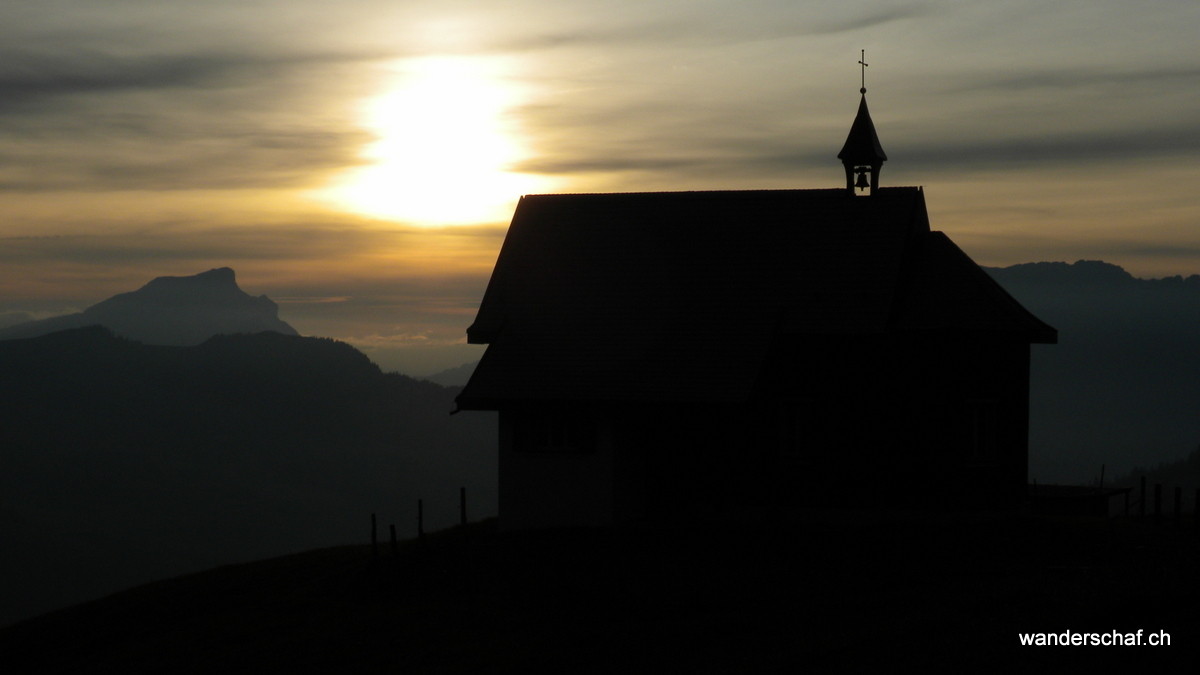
677 357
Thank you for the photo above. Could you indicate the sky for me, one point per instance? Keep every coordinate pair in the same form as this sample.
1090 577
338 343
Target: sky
358 162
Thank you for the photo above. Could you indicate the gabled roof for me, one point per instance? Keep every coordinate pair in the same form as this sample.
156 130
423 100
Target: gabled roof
946 291
678 296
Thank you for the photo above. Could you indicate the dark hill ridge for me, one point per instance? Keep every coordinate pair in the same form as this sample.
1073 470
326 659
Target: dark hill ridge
133 461
1085 273
122 462
172 311
454 377
1122 386
843 592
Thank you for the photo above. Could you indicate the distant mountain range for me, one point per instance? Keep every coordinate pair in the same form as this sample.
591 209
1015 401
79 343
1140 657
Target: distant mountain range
174 434
122 462
171 311
454 377
1121 389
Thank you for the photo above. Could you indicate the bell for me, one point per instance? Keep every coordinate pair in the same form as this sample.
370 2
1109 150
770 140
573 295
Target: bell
862 181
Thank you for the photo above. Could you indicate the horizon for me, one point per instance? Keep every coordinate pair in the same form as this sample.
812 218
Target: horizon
358 164
433 361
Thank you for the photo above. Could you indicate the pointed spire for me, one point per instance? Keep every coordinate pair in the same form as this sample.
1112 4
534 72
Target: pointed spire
862 153
862 144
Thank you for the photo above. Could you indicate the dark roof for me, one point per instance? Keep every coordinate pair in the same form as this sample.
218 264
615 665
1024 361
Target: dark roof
946 291
678 296
862 143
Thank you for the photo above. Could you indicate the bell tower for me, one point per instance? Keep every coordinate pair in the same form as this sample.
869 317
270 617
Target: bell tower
862 154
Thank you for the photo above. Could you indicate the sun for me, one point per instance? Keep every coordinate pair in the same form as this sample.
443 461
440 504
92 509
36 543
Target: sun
445 146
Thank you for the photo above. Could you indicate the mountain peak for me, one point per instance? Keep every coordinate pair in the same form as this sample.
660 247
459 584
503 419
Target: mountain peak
218 283
173 311
218 276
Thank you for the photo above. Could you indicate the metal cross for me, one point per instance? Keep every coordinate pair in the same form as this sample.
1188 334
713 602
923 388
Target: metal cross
862 61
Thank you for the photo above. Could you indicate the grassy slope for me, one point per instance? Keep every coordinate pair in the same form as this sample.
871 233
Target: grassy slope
943 594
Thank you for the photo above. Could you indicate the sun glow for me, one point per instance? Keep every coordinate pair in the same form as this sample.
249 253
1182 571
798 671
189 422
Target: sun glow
445 146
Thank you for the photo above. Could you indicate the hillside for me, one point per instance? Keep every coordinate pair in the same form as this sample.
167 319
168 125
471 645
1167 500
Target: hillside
454 377
1122 386
124 462
842 592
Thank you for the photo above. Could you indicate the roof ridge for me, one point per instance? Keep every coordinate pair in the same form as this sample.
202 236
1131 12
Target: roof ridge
893 188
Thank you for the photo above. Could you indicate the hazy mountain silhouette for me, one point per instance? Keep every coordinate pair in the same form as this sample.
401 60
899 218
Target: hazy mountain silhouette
1122 387
122 462
454 377
171 311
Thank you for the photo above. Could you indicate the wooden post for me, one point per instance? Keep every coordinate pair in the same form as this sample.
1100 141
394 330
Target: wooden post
462 506
1178 516
374 537
1157 503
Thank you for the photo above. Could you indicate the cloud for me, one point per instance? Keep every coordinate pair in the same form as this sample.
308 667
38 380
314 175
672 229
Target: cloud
99 119
234 159
140 246
180 99
875 17
1061 149
696 24
741 140
403 340
30 75
28 79
1144 250
1161 78
298 242
143 133
310 299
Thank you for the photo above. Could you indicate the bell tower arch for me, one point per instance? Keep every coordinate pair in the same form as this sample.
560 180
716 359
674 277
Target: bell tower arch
862 155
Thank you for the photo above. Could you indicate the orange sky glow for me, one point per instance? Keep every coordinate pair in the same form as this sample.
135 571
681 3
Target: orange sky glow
359 163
